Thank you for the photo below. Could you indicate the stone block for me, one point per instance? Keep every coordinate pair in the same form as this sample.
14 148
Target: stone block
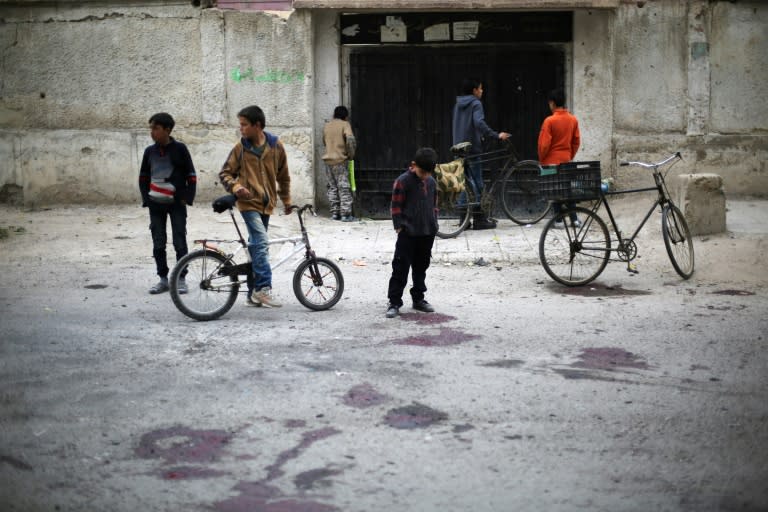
702 200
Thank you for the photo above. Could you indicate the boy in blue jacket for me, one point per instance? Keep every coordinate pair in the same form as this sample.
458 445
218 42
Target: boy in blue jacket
414 215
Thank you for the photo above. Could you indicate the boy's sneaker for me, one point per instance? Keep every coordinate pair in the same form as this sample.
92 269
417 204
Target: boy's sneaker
423 306
576 223
250 302
160 287
182 286
336 216
348 218
265 298
559 225
392 311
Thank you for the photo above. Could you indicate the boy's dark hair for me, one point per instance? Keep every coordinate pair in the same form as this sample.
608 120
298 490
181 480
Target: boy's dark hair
426 159
557 96
163 119
468 85
340 112
254 115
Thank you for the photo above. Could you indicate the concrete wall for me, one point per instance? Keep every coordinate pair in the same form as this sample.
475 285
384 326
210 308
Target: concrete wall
78 86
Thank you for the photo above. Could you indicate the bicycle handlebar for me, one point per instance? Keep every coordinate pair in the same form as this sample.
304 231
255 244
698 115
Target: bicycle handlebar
653 166
304 208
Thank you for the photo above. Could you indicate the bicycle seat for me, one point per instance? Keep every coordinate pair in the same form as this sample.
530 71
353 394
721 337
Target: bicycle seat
461 149
224 203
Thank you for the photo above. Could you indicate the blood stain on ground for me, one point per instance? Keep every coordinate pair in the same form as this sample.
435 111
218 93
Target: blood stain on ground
608 358
415 415
183 444
308 438
505 363
427 319
190 473
260 497
444 338
314 478
364 395
295 423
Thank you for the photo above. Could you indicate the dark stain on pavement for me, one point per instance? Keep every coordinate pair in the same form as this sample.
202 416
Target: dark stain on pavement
444 338
609 358
732 292
190 473
95 286
364 395
600 290
16 463
315 478
505 363
308 438
183 444
412 416
261 497
427 319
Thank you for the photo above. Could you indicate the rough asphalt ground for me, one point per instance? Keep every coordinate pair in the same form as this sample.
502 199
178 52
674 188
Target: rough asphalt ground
638 392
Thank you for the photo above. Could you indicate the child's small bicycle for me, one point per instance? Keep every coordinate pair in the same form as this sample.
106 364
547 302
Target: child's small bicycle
214 277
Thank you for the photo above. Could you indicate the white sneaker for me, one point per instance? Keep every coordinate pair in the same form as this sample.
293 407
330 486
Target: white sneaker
265 298
576 223
559 224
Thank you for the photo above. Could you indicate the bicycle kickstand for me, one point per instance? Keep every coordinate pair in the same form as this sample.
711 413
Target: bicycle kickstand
631 268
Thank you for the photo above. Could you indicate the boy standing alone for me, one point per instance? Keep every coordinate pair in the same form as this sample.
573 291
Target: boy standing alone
340 148
256 171
167 181
414 215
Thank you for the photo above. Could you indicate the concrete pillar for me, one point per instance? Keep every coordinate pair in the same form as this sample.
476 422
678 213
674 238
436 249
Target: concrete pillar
702 200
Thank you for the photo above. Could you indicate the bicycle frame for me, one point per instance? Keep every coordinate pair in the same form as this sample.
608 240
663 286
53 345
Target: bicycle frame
300 244
661 200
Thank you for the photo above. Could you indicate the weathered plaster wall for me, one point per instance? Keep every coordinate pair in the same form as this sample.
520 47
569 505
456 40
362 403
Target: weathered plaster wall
693 76
78 86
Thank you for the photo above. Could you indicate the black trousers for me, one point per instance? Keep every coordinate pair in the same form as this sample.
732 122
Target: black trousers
158 215
411 253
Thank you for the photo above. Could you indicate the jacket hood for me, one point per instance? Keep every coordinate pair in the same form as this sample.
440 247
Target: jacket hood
463 102
271 140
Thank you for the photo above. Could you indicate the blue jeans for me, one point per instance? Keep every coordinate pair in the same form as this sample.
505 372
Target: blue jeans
474 177
158 220
258 247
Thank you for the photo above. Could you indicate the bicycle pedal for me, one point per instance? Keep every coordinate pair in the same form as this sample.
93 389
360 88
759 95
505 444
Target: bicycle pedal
632 269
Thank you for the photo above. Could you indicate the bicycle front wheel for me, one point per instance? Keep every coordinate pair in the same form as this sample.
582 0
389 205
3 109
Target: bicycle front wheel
455 211
677 238
212 285
318 283
574 255
520 194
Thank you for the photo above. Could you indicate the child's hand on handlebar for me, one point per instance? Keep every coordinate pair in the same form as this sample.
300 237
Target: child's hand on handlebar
503 136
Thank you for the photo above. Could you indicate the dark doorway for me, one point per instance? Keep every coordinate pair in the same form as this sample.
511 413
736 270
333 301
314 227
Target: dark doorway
402 98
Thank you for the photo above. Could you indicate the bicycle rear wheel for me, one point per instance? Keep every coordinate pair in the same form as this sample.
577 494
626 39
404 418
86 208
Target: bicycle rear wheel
213 285
677 239
455 211
520 193
318 283
574 256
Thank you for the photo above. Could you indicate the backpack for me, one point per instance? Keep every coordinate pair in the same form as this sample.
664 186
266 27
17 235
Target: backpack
450 176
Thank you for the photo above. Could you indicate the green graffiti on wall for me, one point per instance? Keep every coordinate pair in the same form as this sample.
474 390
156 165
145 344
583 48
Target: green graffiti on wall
274 76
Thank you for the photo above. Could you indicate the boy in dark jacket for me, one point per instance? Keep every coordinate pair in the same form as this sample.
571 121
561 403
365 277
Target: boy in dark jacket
414 215
167 181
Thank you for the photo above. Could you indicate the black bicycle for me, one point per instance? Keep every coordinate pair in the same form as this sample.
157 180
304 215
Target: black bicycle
577 252
214 277
515 181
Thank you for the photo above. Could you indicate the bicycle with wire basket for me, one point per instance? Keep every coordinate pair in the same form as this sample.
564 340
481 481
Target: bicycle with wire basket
577 254
214 276
516 181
